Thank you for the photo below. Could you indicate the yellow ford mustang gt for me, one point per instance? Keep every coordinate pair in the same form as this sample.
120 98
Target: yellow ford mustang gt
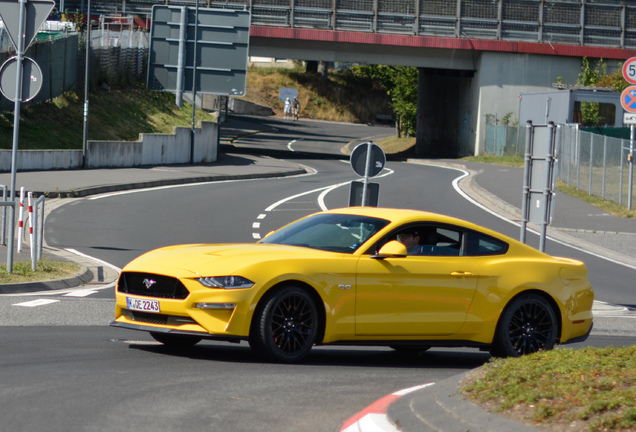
372 276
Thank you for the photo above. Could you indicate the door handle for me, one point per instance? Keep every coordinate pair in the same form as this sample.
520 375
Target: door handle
461 273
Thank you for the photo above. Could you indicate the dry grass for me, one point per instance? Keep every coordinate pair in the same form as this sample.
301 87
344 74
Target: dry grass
592 389
341 97
46 270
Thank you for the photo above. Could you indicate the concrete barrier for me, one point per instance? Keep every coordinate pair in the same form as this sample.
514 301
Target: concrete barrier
150 149
41 160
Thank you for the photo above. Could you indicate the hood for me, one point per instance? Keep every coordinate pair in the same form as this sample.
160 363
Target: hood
214 259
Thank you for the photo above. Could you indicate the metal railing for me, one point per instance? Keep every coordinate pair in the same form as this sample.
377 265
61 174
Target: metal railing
607 23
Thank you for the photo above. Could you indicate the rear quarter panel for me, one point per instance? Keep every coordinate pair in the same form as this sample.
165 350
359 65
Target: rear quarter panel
504 277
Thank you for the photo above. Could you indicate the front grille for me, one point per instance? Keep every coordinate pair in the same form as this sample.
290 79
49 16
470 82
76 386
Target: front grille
151 285
149 317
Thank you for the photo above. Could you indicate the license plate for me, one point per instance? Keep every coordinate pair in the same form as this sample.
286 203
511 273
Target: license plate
143 305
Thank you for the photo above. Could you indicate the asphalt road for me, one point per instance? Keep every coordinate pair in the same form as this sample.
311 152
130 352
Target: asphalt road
62 368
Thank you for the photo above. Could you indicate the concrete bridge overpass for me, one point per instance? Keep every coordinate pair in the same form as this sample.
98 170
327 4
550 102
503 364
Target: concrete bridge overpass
475 57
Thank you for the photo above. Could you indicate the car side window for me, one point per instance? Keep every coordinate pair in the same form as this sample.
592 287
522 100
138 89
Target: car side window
431 240
478 244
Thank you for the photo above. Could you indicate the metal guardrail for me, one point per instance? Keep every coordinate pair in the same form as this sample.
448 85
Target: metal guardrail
606 23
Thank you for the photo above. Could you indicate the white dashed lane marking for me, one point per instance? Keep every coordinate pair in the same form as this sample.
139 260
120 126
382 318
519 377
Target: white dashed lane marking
35 303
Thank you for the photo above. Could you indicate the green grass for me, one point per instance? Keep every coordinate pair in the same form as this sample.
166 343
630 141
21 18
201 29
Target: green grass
120 114
514 161
393 145
46 269
591 389
603 204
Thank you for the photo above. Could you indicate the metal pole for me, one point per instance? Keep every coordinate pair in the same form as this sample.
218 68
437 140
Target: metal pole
3 239
604 165
16 130
547 190
183 27
630 184
620 182
194 81
591 185
86 86
367 166
527 171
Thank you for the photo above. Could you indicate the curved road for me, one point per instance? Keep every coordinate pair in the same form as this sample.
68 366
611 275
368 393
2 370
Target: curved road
62 358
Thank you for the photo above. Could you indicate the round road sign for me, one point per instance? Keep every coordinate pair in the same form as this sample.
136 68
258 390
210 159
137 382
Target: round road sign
629 70
31 79
359 159
628 99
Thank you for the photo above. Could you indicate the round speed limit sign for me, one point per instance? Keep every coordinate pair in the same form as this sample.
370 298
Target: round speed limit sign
629 70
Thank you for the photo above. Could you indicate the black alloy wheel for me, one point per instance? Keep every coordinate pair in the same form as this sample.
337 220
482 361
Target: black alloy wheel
527 325
285 325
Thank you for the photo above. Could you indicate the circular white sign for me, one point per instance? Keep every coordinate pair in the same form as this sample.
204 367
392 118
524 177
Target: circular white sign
629 70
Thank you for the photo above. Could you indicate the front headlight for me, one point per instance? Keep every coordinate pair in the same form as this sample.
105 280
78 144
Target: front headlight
226 282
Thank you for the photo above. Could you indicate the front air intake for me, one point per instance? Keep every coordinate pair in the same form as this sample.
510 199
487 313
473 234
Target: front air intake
151 285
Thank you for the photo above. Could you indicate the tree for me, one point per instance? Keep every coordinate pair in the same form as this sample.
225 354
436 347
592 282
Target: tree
400 83
597 76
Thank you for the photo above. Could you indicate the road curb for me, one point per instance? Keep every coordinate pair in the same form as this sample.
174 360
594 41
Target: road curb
84 276
96 190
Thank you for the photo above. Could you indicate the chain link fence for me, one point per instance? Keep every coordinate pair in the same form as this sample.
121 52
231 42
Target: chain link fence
594 163
117 56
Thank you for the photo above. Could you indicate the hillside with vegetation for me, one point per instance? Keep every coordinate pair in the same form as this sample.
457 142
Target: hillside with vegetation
123 112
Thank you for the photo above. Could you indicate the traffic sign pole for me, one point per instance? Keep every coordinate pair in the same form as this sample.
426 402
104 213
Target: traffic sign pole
631 167
628 101
16 130
367 169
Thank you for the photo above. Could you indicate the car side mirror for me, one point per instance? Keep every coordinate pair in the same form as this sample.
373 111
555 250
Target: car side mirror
393 249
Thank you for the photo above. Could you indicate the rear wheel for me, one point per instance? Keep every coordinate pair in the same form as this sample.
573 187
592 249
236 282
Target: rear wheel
285 325
176 341
527 325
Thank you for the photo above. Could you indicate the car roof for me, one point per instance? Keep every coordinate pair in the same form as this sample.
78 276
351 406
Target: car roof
396 215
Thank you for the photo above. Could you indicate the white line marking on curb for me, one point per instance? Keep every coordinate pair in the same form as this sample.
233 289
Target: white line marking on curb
78 253
412 389
80 293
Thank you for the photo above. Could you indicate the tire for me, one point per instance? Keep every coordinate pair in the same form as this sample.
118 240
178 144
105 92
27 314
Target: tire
412 349
527 325
285 325
176 341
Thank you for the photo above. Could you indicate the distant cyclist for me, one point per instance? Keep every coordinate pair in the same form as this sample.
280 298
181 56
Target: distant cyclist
295 108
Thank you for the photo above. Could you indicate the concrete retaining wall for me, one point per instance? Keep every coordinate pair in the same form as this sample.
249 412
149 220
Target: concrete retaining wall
41 160
151 149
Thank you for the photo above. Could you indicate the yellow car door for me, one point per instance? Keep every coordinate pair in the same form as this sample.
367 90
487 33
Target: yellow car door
413 295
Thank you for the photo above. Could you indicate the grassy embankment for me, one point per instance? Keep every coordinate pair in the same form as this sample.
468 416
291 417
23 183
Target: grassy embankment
580 390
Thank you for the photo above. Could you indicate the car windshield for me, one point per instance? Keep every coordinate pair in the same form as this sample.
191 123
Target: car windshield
329 232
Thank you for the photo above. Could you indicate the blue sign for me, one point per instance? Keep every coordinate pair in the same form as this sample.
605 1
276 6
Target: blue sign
628 99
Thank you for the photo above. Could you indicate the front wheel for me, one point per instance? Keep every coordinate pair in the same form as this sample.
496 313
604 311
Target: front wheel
285 325
527 325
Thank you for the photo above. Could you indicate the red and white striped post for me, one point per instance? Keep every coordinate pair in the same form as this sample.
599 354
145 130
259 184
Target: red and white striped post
30 202
21 219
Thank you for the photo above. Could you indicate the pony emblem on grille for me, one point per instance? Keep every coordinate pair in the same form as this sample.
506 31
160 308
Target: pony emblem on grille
148 283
